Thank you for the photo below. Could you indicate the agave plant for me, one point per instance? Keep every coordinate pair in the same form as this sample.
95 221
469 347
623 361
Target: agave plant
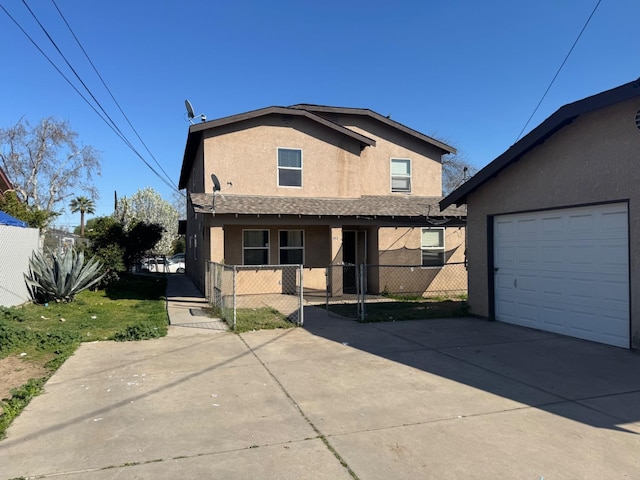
60 275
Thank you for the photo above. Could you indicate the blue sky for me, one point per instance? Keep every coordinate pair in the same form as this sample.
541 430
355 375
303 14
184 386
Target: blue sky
469 73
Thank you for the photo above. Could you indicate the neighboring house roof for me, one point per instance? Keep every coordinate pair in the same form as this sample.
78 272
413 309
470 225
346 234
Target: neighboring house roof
311 112
370 206
562 117
5 184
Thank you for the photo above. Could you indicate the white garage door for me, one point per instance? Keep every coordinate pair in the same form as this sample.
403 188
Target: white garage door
565 271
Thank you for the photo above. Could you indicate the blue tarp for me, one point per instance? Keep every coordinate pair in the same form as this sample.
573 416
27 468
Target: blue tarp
6 219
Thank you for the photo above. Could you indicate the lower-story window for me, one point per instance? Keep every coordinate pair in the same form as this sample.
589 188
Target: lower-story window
291 247
255 247
432 247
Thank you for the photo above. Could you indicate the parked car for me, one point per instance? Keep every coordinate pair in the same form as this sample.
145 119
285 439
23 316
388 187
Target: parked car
163 265
178 257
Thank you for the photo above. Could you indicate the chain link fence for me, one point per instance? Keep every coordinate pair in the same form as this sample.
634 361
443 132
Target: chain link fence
234 288
360 285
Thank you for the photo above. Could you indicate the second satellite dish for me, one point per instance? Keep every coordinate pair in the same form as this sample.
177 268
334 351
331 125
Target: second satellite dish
216 183
190 113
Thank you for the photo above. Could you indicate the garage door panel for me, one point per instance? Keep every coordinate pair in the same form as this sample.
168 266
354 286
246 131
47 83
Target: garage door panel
528 312
614 222
553 319
527 227
565 271
552 254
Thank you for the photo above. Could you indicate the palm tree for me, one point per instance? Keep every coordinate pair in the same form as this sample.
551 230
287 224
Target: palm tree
82 205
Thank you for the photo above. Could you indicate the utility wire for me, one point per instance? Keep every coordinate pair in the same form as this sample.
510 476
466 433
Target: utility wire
112 127
110 93
560 68
115 127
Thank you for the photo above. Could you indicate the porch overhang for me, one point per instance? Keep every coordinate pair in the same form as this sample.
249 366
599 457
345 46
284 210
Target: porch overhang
365 210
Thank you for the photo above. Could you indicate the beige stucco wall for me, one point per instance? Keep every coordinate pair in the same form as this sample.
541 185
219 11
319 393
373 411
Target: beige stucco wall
594 159
426 166
401 246
316 243
333 165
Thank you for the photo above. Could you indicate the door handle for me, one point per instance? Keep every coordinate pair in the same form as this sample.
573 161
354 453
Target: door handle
515 283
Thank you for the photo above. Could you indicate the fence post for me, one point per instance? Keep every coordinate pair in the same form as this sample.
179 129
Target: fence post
364 290
326 278
301 303
233 286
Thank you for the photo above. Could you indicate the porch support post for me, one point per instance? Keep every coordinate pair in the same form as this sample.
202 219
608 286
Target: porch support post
335 271
216 244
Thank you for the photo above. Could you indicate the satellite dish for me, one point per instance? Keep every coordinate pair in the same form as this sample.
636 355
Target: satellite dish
190 113
216 183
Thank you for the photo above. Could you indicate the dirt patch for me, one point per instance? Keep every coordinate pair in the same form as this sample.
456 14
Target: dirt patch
15 371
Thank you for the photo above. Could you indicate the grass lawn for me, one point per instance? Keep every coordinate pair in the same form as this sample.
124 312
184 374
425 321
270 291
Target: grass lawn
248 319
405 309
37 339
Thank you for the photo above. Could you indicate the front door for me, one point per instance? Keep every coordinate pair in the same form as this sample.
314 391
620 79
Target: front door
353 255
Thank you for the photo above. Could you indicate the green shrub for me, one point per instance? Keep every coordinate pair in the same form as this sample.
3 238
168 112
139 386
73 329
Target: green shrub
20 398
12 313
60 275
140 331
13 335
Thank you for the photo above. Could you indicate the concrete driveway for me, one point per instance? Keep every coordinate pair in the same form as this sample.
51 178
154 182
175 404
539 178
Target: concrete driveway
442 399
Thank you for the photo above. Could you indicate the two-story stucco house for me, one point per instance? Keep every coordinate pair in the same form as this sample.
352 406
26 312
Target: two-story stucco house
317 186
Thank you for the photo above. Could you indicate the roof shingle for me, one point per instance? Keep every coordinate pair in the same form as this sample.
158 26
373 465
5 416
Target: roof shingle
381 206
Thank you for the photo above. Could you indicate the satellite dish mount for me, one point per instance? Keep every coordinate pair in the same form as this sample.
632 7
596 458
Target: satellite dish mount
191 115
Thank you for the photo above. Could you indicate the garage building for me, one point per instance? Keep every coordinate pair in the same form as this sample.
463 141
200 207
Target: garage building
553 224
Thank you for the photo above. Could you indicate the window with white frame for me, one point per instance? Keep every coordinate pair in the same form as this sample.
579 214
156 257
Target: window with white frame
432 246
401 175
289 167
291 247
255 247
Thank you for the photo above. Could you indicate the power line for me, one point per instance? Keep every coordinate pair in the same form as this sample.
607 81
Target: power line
559 68
111 125
110 93
115 127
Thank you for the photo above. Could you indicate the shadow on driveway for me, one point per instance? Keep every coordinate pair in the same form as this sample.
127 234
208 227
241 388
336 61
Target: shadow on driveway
594 384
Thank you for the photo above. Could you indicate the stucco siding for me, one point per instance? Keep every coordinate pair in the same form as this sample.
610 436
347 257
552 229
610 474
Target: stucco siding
316 243
400 257
592 160
333 166
426 178
248 158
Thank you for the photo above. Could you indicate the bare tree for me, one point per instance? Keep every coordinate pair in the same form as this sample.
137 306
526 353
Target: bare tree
456 170
46 164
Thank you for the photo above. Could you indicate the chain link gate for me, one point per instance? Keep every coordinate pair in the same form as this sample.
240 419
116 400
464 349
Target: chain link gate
237 287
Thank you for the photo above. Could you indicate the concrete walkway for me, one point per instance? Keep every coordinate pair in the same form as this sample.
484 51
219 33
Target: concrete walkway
442 399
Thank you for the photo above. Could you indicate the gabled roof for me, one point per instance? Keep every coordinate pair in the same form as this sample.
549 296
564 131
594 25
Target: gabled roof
195 132
562 117
370 113
311 112
396 206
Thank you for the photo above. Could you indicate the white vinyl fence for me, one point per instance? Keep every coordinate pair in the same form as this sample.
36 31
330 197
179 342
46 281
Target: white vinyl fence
17 245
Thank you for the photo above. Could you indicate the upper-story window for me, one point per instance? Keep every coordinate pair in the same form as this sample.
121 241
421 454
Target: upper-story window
401 175
289 167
